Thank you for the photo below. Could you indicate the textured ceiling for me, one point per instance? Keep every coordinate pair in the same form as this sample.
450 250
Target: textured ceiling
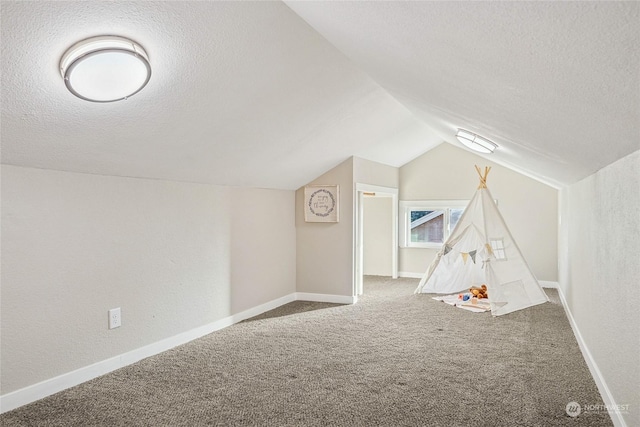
555 84
248 93
241 94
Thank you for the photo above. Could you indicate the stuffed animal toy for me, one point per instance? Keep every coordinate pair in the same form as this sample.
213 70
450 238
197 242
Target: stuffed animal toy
480 292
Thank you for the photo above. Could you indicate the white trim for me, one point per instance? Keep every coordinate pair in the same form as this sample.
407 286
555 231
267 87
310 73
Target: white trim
410 275
358 231
607 397
336 299
53 385
358 242
375 188
48 387
436 204
550 285
404 223
254 311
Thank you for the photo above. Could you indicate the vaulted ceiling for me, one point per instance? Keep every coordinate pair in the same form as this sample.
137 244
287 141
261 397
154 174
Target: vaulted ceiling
272 94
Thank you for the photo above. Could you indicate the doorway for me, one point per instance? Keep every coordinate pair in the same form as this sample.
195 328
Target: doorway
390 241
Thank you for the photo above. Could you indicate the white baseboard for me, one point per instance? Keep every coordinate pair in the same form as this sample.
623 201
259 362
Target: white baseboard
607 397
410 275
550 285
239 317
336 299
53 385
48 387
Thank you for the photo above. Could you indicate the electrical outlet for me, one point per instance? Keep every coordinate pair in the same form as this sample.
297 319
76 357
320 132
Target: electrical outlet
115 318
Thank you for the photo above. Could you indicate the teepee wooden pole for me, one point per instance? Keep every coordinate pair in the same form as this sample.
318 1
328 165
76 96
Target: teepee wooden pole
483 177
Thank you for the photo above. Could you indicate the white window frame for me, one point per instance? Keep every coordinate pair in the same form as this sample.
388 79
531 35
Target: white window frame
498 249
404 223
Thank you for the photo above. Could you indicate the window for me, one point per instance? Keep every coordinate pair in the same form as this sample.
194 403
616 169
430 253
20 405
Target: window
427 224
497 247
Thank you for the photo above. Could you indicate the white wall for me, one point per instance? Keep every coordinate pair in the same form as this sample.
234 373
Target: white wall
600 273
377 232
529 207
174 256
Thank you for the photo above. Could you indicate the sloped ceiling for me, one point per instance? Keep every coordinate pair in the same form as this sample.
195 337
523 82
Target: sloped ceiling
249 94
555 84
242 93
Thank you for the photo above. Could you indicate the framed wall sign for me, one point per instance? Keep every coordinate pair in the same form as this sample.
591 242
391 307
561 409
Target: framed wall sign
321 203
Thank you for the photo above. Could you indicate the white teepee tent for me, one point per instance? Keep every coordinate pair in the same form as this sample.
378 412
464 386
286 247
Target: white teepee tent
481 250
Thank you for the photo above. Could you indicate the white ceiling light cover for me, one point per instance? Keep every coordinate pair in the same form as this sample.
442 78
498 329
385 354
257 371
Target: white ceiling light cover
105 68
475 142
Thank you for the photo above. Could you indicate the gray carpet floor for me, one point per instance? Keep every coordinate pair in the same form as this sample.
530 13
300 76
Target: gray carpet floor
392 359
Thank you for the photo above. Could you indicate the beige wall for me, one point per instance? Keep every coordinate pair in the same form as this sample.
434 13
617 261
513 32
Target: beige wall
600 273
377 236
324 251
325 254
373 173
262 247
174 256
529 207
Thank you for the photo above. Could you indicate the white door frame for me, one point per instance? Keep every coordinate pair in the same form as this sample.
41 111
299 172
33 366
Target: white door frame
358 229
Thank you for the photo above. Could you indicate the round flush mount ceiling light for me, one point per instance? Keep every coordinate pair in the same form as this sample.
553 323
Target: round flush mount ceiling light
475 142
105 68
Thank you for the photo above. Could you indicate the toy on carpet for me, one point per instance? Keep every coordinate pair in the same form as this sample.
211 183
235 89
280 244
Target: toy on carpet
475 292
480 292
